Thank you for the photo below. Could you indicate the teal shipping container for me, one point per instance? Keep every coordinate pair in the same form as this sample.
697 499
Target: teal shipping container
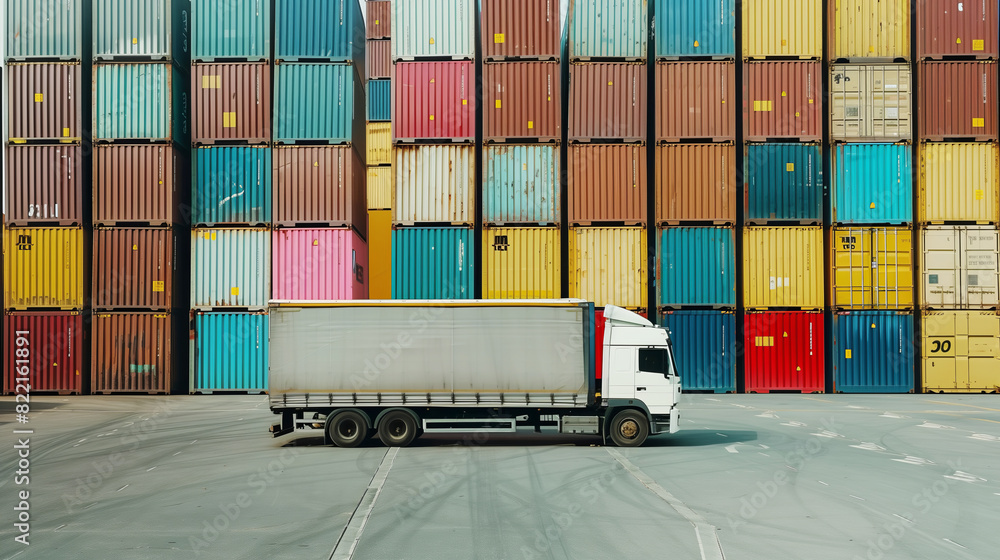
230 31
433 29
607 29
379 100
873 352
230 268
140 101
229 352
872 184
696 267
142 29
317 102
704 348
44 30
328 30
521 184
433 263
784 183
702 28
231 185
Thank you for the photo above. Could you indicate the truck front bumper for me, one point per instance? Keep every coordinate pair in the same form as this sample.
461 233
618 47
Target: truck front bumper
666 423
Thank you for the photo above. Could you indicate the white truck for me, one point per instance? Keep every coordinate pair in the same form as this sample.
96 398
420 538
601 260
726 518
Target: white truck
403 368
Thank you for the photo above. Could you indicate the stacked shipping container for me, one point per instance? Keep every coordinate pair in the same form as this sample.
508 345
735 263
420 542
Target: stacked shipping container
379 144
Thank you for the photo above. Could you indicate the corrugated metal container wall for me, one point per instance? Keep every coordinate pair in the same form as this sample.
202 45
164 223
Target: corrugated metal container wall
234 29
695 28
134 184
43 268
960 267
696 182
969 30
782 28
379 100
379 143
131 353
230 268
133 268
958 100
378 19
704 348
318 265
419 30
380 254
959 182
873 352
865 29
872 268
231 102
607 183
783 351
434 184
697 266
320 185
608 29
961 351
522 100
313 102
521 184
306 29
379 188
433 263
608 266
520 29
784 182
783 267
870 102
607 100
138 28
521 263
872 184
783 100
50 29
696 100
378 59
44 185
55 352
230 352
43 102
134 101
232 185
434 100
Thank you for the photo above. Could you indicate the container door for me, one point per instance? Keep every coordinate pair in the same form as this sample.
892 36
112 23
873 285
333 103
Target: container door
979 268
940 362
984 351
940 256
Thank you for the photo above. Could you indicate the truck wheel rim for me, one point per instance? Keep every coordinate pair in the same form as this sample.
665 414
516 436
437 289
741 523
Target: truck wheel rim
629 429
397 428
347 429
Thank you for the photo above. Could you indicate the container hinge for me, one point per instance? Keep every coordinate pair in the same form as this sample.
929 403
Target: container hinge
428 398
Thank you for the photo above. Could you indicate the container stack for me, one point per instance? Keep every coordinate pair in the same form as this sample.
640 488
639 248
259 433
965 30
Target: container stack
433 154
958 205
379 147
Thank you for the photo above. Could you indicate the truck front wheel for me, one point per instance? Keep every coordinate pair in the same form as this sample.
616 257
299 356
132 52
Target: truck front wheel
347 429
397 429
629 428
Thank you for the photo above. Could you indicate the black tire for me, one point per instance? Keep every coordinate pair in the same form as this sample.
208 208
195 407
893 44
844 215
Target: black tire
629 428
347 429
397 429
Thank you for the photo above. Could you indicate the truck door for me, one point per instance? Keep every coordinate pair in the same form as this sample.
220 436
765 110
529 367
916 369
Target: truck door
620 373
651 382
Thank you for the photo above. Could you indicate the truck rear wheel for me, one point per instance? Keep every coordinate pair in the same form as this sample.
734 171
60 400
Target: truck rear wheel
347 429
629 428
397 429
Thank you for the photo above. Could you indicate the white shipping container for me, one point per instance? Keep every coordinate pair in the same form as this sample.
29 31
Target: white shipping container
870 102
230 268
434 184
960 267
433 28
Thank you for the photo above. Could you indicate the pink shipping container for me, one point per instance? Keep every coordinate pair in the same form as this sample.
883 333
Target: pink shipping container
54 343
434 100
379 59
319 265
783 351
947 28
520 29
231 102
958 100
44 186
134 184
783 100
43 102
319 185
521 100
696 100
607 101
607 183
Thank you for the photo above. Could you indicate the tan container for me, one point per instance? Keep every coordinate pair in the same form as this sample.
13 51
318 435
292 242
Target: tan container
961 351
379 188
773 28
696 183
872 268
134 184
131 353
133 269
870 102
782 100
607 183
319 185
783 267
522 100
379 59
958 182
696 100
607 101
608 266
232 101
868 30
959 267
434 184
43 268
521 263
379 143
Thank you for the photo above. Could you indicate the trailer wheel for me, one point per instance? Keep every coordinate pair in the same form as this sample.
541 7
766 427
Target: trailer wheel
629 428
397 429
347 429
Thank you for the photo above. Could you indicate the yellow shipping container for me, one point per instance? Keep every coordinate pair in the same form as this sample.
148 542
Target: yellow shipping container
783 267
379 188
961 351
869 29
872 268
959 182
783 28
521 263
379 143
380 254
608 266
43 268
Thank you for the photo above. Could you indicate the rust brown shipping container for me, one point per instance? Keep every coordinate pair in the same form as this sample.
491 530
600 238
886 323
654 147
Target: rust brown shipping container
607 101
696 183
44 186
131 353
949 28
520 29
231 102
43 102
607 183
320 185
379 57
521 100
54 344
377 19
134 184
783 100
133 268
696 100
958 100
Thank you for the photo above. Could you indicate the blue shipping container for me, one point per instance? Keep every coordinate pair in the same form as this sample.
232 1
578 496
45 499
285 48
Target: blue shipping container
44 30
704 348
697 266
137 102
521 184
332 30
784 182
873 352
872 184
379 100
608 29
232 185
235 29
230 352
314 102
433 263
695 28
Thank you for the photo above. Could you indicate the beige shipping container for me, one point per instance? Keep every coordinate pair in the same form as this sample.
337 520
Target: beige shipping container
959 266
790 28
379 188
379 143
521 263
872 268
869 30
959 182
870 102
783 267
961 351
43 268
434 184
608 266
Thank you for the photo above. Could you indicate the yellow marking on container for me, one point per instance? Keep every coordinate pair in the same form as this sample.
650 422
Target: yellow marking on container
784 94
135 41
211 82
977 44
432 40
784 43
432 117
234 291
498 104
797 114
847 354
531 124
611 83
65 132
498 38
980 194
135 247
958 41
432 80
810 101
872 205
789 167
759 105
696 44
229 120
315 164
315 242
978 123
18 140
465 102
39 97
524 167
157 285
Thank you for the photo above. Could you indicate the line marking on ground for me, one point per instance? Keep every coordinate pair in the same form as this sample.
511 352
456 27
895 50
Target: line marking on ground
818 399
968 405
955 543
351 536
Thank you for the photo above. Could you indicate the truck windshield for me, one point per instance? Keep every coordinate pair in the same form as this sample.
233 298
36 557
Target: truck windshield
655 360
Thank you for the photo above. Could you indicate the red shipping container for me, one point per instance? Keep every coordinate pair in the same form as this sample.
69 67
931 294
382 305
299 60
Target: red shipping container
134 184
524 29
783 100
319 185
131 353
956 28
958 100
379 59
607 183
319 265
231 102
521 101
599 324
377 19
783 351
696 100
52 345
44 102
133 268
434 100
44 186
607 101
